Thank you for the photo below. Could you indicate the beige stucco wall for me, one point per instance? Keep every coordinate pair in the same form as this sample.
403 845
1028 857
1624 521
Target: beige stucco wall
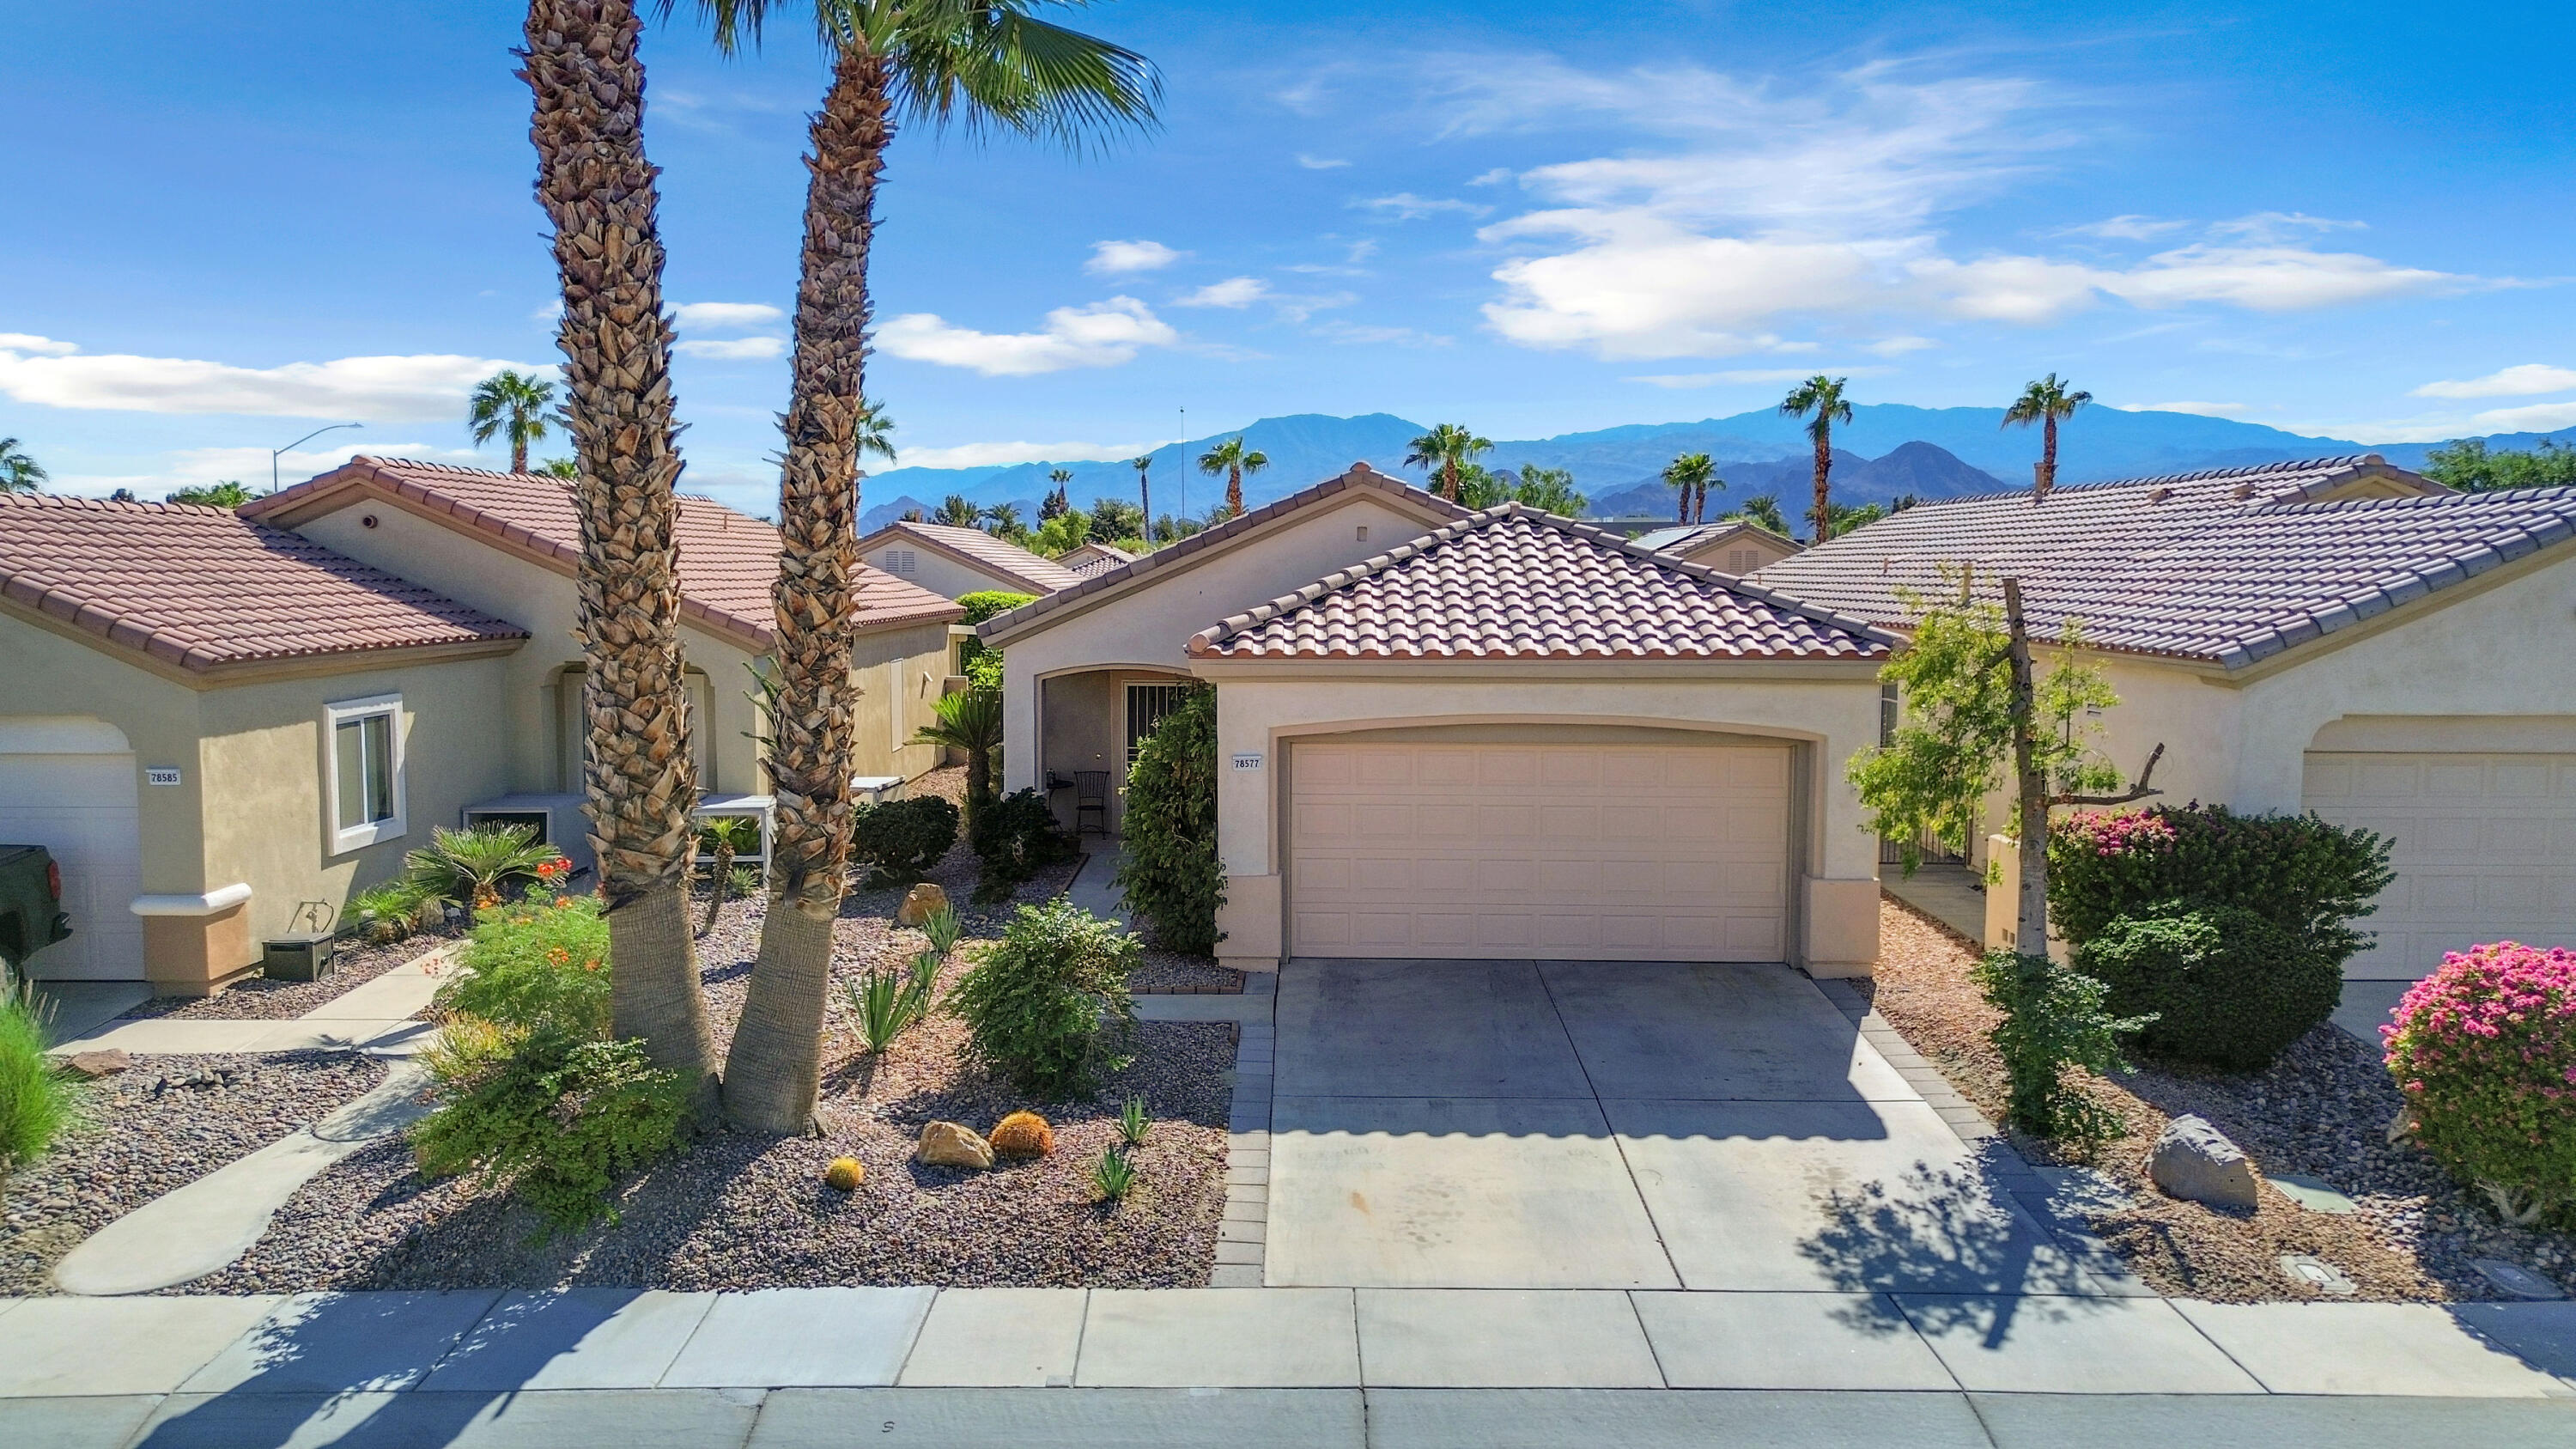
940 573
1766 551
901 674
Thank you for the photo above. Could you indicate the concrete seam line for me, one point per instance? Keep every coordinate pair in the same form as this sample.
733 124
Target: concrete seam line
1539 970
1651 1351
918 1329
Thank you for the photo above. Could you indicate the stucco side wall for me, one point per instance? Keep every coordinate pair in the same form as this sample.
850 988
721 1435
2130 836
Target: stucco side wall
901 673
940 573
48 674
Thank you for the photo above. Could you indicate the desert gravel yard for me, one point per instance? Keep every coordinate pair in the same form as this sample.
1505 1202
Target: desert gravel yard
260 999
2319 1112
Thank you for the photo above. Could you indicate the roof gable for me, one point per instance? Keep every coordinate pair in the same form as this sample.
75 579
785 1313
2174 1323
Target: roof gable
980 550
201 588
1515 583
1684 540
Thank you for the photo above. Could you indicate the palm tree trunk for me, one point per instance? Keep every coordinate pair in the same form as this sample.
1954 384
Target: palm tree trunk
1234 490
774 1072
2047 454
518 452
723 882
1145 500
638 771
1823 517
2030 909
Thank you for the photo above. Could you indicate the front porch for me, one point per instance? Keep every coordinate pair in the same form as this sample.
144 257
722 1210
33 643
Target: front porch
1091 722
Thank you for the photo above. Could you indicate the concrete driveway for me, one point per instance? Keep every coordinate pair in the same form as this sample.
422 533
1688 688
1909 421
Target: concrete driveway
1569 1124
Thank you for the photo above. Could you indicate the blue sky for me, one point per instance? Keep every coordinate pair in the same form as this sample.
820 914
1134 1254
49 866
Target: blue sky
230 224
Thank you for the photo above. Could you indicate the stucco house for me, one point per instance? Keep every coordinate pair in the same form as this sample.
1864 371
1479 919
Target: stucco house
955 562
1497 734
1730 545
2336 635
215 718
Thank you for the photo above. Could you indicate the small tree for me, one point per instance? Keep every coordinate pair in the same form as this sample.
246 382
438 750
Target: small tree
1171 876
970 721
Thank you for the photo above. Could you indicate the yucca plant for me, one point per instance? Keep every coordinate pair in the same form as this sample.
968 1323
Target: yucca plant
943 928
471 867
384 913
1113 1176
888 1003
1133 1124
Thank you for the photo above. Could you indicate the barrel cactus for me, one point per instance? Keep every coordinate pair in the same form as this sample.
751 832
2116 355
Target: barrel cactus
845 1174
1022 1134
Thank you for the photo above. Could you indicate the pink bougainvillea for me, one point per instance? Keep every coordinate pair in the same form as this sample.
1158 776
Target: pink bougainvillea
2485 1051
2116 832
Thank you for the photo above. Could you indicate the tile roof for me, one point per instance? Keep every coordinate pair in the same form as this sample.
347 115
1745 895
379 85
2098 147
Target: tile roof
1691 537
728 560
202 588
1515 583
1095 558
1360 476
1033 574
2232 566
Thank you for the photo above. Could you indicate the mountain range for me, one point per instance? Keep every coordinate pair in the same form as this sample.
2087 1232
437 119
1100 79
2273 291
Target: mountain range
1886 450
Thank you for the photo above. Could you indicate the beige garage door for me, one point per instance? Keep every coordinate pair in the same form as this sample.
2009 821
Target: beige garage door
68 784
2485 849
1572 851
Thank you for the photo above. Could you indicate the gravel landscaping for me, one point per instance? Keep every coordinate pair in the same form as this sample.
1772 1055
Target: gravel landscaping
257 998
2321 1111
162 1124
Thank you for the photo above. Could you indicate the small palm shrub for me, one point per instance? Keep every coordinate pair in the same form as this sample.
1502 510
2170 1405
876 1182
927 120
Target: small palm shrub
724 837
969 722
475 868
902 839
1017 837
1047 1007
383 914
559 1121
2485 1051
1170 876
2053 1019
36 1103
2223 985
538 964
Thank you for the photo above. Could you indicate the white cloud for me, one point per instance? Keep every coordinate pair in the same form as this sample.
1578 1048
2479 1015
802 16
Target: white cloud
40 346
1638 286
426 388
2271 278
2203 409
1117 258
724 316
733 349
1103 334
2519 381
1405 206
2273 226
1755 375
1495 177
2131 227
2537 418
1319 163
1359 334
983 455
1899 346
1232 292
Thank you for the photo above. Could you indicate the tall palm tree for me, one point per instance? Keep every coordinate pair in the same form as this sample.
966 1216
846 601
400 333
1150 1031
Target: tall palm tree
18 472
1233 460
1822 396
1005 520
1763 511
1446 449
986 65
1145 494
638 770
958 511
513 405
872 433
1689 475
1055 505
2044 402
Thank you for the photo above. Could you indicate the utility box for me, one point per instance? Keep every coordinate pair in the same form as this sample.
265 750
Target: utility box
298 956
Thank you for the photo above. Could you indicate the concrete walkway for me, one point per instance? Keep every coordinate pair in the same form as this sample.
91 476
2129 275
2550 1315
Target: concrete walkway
1094 888
375 1017
1950 894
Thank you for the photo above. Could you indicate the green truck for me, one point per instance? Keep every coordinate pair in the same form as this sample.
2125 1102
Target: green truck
31 909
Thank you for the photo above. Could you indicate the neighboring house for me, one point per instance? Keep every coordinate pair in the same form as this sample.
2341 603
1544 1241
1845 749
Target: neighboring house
2335 635
342 666
1478 735
1093 559
1730 545
955 562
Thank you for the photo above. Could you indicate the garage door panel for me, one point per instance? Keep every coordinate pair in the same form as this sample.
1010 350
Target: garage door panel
1570 822
82 809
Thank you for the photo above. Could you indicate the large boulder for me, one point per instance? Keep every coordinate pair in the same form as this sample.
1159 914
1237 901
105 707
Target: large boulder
948 1144
920 904
2194 1160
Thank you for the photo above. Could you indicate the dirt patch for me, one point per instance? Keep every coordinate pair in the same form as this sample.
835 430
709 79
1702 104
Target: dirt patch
2320 1111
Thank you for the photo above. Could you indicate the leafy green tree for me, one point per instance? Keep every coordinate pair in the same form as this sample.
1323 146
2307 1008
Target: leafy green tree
1169 873
512 405
18 472
2468 465
227 494
1061 534
1550 490
1446 450
1690 476
980 663
1233 460
2045 402
1113 520
1822 397
958 511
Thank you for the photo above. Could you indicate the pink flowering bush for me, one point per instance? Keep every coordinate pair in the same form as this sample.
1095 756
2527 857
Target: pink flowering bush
2485 1051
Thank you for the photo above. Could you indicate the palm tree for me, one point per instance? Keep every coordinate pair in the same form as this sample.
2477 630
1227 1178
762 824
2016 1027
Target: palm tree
1233 460
1822 396
514 406
638 770
2044 402
986 65
1689 475
1145 494
970 722
18 472
1005 521
1055 505
958 511
1763 511
567 469
1446 448
724 836
872 432
227 494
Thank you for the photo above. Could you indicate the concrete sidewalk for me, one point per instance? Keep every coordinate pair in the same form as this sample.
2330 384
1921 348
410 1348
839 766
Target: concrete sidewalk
375 1017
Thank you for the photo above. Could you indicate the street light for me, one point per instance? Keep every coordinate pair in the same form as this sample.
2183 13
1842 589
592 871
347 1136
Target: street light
298 443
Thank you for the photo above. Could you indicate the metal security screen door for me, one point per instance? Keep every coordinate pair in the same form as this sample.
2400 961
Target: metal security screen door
1146 706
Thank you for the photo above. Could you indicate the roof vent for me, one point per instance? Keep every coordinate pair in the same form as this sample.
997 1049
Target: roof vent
2241 492
2159 494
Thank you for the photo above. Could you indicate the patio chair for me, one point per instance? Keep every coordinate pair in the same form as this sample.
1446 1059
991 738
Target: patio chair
1091 796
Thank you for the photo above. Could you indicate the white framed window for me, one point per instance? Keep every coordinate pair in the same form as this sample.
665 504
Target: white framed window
363 771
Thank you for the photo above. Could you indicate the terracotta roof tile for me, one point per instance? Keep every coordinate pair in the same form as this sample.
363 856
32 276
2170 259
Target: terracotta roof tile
728 560
1034 575
1514 583
1094 559
201 587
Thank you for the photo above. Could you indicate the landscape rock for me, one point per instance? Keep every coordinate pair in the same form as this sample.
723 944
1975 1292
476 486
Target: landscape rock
948 1144
94 1064
2194 1160
920 904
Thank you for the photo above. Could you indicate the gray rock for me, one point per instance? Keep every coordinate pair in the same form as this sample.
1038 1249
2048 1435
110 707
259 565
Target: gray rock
2194 1160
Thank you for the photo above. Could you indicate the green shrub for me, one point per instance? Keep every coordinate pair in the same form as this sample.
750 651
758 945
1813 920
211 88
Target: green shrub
2485 1051
902 839
559 1121
35 1102
478 867
1170 875
1048 1004
2310 877
2053 1020
386 913
540 964
2226 986
974 660
1016 838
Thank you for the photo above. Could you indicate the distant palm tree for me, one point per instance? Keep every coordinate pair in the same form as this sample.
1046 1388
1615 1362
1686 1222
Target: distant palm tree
871 431
1822 396
1233 460
1145 493
2044 402
1763 511
227 494
514 406
18 472
1689 475
1056 505
568 469
1446 449
958 511
1005 518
